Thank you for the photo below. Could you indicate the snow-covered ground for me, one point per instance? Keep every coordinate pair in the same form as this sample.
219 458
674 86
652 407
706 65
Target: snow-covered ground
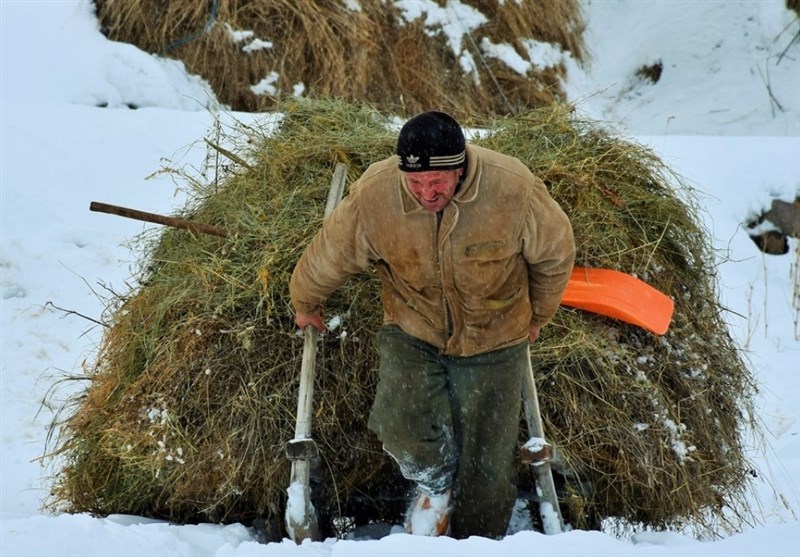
725 113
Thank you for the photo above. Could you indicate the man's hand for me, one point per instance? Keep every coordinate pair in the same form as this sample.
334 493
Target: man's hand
303 320
533 333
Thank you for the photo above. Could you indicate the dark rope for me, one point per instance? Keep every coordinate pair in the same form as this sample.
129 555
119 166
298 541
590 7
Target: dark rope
212 17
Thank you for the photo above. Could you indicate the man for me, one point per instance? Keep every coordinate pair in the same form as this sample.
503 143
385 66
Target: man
474 256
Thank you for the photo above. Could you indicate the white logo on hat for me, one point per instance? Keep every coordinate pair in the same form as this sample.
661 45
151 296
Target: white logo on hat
412 161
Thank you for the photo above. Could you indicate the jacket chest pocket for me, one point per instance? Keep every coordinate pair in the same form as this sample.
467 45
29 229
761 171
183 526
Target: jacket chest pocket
486 271
475 250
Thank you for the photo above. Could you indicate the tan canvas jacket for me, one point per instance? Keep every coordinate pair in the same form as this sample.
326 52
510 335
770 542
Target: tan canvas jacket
498 261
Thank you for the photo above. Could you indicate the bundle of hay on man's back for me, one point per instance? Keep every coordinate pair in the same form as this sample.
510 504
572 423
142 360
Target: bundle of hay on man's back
469 57
194 390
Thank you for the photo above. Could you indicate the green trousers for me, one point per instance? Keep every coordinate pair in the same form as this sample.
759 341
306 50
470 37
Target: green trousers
453 423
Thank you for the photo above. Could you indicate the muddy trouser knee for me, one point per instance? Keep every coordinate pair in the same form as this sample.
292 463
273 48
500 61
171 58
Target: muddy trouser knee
411 413
453 422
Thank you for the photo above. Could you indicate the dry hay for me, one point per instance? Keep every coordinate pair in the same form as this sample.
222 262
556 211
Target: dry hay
193 393
380 54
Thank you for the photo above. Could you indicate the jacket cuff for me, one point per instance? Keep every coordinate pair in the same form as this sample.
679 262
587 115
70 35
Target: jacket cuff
308 309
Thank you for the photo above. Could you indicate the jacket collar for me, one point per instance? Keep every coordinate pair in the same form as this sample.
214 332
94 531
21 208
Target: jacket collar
467 192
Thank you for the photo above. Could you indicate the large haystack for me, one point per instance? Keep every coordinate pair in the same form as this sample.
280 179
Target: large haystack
193 393
403 57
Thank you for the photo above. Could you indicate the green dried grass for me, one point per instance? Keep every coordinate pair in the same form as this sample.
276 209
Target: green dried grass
372 55
208 337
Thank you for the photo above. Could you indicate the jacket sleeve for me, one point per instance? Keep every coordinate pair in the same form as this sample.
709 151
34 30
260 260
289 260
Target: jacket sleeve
340 249
549 250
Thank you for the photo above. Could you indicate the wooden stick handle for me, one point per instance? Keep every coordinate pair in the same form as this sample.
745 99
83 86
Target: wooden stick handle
157 219
552 520
302 522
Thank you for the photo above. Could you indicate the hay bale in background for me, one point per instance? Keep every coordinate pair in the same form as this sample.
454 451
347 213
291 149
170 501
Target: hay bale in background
193 392
390 56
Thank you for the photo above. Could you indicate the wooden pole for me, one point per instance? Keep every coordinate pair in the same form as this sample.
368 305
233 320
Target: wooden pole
552 521
301 517
157 219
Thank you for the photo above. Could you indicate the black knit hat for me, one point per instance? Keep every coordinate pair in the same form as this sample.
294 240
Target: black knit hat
431 141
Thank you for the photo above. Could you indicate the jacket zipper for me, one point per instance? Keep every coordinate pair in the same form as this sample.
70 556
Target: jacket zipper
448 321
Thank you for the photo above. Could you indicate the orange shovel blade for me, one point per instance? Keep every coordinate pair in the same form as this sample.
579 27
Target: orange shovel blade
621 296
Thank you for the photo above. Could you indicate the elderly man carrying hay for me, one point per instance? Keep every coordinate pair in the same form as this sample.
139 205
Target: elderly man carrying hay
474 257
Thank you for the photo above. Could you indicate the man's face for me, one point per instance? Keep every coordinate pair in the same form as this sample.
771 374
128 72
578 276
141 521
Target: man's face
435 188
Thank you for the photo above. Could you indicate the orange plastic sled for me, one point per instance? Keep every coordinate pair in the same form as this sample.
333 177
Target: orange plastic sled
620 296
